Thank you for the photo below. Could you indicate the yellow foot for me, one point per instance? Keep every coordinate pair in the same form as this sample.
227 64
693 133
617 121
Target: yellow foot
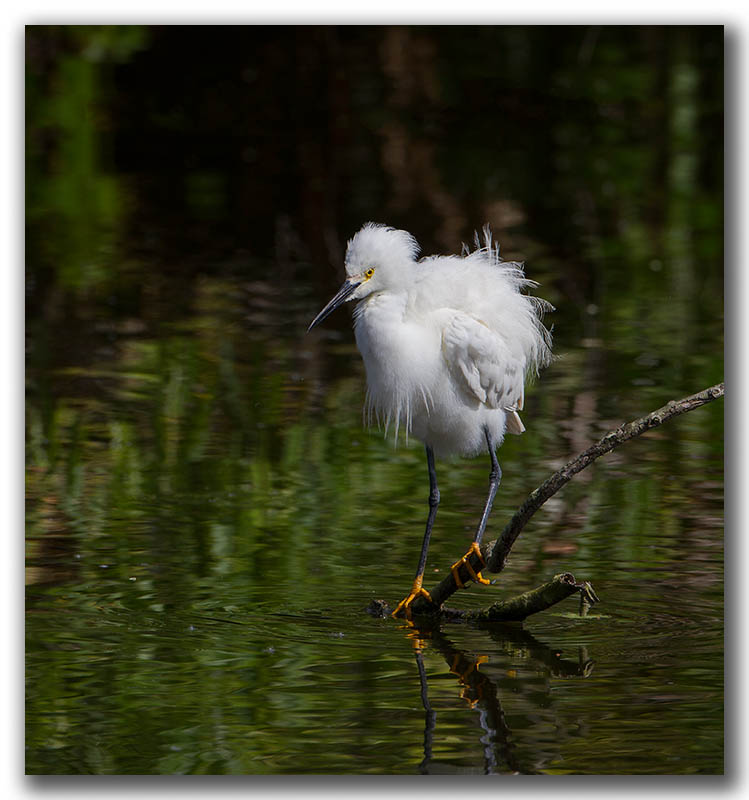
455 569
461 661
416 591
470 677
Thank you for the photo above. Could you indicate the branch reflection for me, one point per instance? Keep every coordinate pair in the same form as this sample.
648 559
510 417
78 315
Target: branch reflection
481 688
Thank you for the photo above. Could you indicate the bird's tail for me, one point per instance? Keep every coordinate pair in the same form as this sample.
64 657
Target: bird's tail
513 423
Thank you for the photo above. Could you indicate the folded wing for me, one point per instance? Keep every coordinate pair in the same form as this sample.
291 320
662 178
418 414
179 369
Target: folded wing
484 366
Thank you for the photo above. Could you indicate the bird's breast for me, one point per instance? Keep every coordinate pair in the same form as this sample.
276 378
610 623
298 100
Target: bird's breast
401 357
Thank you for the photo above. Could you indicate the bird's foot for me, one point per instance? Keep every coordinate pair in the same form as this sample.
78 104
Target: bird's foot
416 591
455 569
471 678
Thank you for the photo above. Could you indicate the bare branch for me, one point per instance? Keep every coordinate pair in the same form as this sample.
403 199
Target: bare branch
552 485
517 608
495 553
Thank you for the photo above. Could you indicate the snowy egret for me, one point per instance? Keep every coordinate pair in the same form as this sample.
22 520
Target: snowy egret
447 343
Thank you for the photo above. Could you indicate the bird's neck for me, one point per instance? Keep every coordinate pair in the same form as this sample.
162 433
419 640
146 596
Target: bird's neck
382 308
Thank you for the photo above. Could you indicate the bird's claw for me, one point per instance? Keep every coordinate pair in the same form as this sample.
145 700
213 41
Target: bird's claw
455 569
416 591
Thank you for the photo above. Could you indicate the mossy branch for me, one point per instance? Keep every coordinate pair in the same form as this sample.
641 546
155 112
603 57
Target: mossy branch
518 608
495 553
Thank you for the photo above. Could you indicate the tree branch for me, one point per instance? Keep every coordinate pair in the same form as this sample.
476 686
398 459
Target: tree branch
516 609
495 553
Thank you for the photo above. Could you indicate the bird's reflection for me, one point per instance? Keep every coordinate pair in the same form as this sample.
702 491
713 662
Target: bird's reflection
482 693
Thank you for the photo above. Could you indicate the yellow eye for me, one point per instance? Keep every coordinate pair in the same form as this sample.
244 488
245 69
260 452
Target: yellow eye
369 273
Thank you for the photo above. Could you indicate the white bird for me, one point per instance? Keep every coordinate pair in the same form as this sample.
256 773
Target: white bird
447 343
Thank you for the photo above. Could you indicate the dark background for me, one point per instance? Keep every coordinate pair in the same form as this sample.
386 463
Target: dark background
239 145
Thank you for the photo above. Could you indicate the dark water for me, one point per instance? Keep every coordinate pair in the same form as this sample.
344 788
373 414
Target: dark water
206 517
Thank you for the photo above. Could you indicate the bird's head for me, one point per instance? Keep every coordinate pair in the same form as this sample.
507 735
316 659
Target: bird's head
377 260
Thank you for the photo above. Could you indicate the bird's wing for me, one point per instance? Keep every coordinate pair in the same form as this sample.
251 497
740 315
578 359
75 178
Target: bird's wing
482 363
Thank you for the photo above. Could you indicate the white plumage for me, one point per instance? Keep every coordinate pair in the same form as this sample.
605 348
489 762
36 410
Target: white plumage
447 343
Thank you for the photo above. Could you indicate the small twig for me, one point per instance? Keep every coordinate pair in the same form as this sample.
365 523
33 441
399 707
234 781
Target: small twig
588 598
495 553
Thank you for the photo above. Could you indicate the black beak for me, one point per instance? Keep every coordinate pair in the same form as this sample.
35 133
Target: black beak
341 296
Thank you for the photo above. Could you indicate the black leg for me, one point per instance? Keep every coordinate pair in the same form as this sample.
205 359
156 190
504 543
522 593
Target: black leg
495 475
434 501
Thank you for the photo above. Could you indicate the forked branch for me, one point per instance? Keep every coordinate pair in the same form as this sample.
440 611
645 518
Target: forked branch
495 553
